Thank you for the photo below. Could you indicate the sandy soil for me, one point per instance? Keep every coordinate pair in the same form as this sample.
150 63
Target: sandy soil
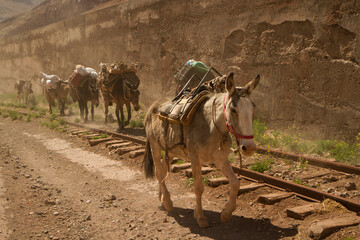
54 186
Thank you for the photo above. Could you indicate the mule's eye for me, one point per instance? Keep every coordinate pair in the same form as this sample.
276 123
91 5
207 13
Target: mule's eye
233 110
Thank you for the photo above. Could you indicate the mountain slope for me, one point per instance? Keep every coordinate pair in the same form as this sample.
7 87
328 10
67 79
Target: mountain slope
49 11
10 8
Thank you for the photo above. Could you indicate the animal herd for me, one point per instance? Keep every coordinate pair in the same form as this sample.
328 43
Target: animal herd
203 140
84 88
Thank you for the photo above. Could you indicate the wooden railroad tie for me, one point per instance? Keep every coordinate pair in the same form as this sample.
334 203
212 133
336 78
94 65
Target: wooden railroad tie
122 151
136 153
177 167
321 229
119 145
204 170
250 187
273 197
113 142
302 212
94 142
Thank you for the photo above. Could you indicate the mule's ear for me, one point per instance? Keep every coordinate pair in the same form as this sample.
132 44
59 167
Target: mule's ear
250 86
230 84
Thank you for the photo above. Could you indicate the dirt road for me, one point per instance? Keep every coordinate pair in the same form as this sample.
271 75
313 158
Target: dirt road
54 186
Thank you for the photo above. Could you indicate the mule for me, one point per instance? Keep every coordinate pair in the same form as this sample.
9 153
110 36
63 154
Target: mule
86 92
23 90
60 93
121 94
205 141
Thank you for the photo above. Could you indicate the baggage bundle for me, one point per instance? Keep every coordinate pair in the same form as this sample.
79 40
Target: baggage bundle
119 71
80 75
50 81
194 70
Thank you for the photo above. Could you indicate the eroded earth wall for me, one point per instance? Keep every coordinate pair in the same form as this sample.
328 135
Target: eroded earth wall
307 52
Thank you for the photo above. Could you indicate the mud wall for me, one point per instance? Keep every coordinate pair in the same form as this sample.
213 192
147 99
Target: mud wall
307 52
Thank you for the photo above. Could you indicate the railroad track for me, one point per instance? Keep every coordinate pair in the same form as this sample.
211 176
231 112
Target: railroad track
251 180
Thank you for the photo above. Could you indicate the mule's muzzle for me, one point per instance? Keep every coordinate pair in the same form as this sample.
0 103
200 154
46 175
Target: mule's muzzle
137 108
248 149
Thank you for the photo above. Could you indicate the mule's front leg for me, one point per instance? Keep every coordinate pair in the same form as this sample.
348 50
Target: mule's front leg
86 111
106 111
122 117
234 183
199 189
117 116
128 109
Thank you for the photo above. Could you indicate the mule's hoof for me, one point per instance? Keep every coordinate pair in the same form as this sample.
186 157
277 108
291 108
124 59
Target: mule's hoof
203 222
225 217
168 205
127 123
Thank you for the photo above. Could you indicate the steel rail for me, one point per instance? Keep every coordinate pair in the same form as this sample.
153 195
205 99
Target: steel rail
297 188
323 163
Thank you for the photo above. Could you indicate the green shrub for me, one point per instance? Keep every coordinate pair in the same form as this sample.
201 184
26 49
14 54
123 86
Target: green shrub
262 166
13 115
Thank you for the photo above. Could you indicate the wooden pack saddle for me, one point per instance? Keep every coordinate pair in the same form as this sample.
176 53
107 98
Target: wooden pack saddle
183 110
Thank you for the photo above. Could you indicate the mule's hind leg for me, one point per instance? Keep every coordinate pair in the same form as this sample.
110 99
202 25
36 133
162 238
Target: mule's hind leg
199 189
92 111
225 167
161 172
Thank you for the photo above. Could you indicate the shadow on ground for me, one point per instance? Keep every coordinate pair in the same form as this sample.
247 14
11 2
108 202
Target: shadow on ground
236 228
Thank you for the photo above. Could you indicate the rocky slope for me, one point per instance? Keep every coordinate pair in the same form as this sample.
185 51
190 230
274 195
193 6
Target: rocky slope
11 8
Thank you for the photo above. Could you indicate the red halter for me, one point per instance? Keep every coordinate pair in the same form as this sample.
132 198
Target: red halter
237 136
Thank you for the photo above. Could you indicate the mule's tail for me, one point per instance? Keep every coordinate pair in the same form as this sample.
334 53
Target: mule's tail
148 162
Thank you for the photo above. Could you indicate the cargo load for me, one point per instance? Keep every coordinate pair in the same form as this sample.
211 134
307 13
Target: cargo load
194 70
50 81
81 74
119 71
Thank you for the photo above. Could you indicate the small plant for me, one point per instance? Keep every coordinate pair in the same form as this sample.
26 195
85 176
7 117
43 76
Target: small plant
180 161
13 115
262 166
231 157
28 118
4 114
298 181
136 123
77 120
190 181
303 164
61 121
20 116
42 112
99 137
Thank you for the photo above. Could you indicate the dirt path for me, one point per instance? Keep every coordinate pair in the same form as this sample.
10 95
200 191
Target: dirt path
54 186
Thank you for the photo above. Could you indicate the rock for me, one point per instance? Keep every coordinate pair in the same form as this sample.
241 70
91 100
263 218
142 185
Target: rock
331 179
88 201
344 194
350 186
56 213
330 190
109 197
49 202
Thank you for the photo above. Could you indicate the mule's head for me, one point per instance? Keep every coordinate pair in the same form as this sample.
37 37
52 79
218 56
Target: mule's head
239 109
134 99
